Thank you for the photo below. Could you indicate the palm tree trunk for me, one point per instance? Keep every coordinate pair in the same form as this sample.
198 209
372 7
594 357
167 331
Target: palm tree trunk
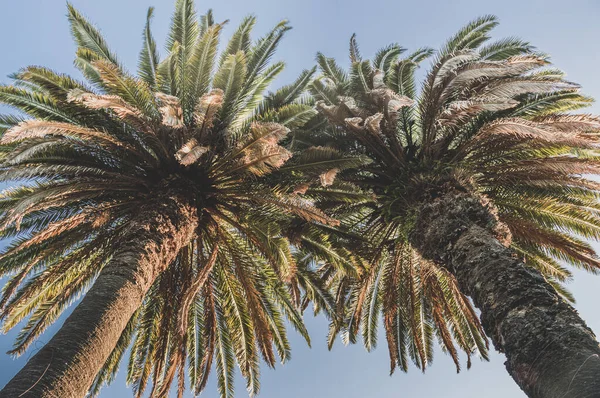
67 365
550 351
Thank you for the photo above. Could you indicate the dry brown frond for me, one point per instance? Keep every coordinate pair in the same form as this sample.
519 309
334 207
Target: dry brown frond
328 177
122 109
41 128
170 109
207 108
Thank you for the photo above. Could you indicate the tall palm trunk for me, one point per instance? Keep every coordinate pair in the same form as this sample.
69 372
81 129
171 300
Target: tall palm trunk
66 366
550 351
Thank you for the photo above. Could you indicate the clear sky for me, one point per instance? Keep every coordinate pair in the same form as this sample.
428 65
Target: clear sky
35 32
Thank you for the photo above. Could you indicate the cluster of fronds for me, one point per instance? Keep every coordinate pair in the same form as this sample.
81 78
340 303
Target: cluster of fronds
493 119
85 156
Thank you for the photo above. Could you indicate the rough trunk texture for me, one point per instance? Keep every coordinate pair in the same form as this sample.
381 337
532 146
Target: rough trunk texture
550 351
67 365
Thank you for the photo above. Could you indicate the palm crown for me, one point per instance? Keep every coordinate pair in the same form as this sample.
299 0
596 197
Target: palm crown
490 119
193 125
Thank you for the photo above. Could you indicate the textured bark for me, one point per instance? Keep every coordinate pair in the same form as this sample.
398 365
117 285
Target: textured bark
550 351
67 365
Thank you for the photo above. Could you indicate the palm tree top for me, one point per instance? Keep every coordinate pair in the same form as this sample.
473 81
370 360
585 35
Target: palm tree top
86 157
494 120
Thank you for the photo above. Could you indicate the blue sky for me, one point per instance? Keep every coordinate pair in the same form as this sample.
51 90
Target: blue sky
35 32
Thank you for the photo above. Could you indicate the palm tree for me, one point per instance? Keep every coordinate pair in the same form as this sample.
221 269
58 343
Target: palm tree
481 181
152 197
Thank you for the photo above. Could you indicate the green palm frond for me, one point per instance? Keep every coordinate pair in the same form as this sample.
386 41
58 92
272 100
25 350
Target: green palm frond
149 58
88 37
202 61
288 94
387 56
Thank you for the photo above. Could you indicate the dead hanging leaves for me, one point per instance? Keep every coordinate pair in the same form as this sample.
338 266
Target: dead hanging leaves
41 128
170 109
188 156
262 153
207 108
122 109
328 177
346 113
204 118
